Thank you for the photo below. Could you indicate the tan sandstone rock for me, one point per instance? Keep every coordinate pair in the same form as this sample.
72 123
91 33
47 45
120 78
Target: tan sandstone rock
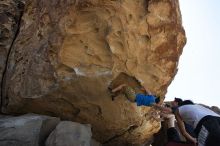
68 52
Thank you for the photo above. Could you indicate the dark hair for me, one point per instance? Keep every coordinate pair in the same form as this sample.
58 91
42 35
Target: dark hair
167 105
178 100
186 102
157 100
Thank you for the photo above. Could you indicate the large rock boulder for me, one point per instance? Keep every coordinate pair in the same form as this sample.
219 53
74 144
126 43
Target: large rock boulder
68 53
70 134
26 130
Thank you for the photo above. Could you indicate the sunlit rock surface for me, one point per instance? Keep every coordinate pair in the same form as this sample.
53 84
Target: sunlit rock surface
68 53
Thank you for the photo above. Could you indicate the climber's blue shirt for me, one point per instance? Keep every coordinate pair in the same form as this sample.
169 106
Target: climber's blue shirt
147 100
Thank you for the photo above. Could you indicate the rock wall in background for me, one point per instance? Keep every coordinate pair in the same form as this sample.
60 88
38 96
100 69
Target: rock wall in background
68 52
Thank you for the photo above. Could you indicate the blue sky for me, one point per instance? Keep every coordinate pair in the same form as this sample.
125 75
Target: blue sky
198 77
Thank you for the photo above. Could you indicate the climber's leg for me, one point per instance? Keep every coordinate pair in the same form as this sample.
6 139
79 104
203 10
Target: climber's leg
119 88
130 93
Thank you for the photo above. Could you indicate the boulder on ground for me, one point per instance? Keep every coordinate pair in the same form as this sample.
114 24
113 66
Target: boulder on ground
69 133
68 52
26 130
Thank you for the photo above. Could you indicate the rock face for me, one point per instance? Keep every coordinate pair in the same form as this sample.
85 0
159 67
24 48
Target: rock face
10 14
216 109
68 53
26 130
70 133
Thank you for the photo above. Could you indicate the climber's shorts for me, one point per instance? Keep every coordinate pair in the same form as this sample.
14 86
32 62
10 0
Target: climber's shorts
130 93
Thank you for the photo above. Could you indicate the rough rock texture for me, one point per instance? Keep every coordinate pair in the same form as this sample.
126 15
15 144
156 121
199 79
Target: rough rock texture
10 14
216 109
68 52
26 130
70 134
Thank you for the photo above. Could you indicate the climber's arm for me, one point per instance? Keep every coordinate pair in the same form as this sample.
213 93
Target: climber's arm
165 110
119 87
181 126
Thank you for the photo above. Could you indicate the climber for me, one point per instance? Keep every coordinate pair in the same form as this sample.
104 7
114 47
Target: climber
140 98
206 123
